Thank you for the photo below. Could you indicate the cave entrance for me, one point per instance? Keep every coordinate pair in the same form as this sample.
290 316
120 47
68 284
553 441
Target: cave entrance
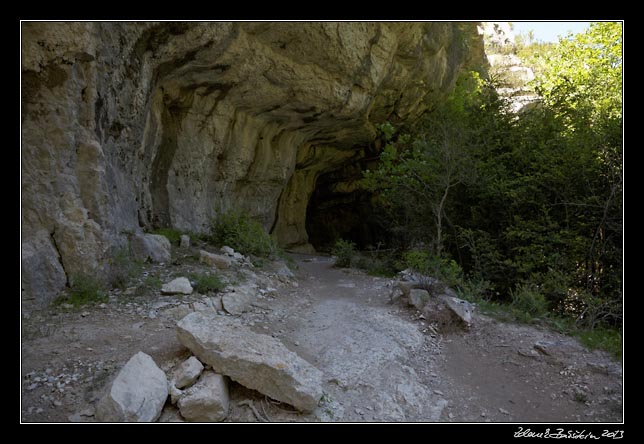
339 209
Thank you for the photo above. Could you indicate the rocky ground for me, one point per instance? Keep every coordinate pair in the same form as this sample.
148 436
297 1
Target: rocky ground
380 361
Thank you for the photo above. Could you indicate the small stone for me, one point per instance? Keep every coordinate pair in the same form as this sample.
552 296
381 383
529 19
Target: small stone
57 403
75 418
418 298
297 344
450 415
175 393
206 401
483 414
359 412
187 372
227 250
88 411
504 411
177 286
239 301
32 387
103 305
184 241
215 260
438 392
85 314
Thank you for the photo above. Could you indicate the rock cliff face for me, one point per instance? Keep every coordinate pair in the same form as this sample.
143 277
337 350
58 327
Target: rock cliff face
511 74
130 126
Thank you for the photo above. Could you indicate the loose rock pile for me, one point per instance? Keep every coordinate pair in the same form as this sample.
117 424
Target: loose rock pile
229 350
437 302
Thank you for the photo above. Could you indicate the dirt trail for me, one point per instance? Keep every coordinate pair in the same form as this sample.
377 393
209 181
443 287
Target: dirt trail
380 361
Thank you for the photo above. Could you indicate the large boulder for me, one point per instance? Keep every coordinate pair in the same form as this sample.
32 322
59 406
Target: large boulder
137 394
256 361
150 247
207 400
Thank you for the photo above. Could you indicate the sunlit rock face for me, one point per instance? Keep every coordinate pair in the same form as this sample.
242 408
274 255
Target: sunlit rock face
512 75
131 126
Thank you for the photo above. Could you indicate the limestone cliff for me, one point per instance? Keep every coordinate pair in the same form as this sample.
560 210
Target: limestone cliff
130 126
511 74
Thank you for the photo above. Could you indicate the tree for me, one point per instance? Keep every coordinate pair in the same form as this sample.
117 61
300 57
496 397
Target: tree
532 200
417 174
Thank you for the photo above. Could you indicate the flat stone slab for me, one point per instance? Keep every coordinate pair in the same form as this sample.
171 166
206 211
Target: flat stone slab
256 361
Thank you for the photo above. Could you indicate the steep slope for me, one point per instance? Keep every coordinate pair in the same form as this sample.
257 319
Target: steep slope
131 126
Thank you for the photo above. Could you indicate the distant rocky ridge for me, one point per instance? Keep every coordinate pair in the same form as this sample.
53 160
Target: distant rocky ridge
512 74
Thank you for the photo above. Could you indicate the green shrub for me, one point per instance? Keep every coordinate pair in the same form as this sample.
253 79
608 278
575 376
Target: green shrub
528 300
602 338
345 251
150 286
474 290
173 235
203 283
86 289
123 268
241 232
445 270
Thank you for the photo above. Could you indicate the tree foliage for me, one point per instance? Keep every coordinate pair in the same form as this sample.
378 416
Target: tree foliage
529 201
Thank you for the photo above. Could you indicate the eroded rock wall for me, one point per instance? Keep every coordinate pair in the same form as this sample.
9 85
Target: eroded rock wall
130 126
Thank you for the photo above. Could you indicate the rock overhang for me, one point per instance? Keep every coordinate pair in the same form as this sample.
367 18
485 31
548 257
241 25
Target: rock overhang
185 120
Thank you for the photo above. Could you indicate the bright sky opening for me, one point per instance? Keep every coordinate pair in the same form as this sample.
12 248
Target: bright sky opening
549 31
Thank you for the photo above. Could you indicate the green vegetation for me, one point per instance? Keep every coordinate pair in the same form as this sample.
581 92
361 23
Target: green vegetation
344 251
581 397
85 290
244 234
608 339
206 282
374 261
150 286
524 209
173 235
123 268
527 298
